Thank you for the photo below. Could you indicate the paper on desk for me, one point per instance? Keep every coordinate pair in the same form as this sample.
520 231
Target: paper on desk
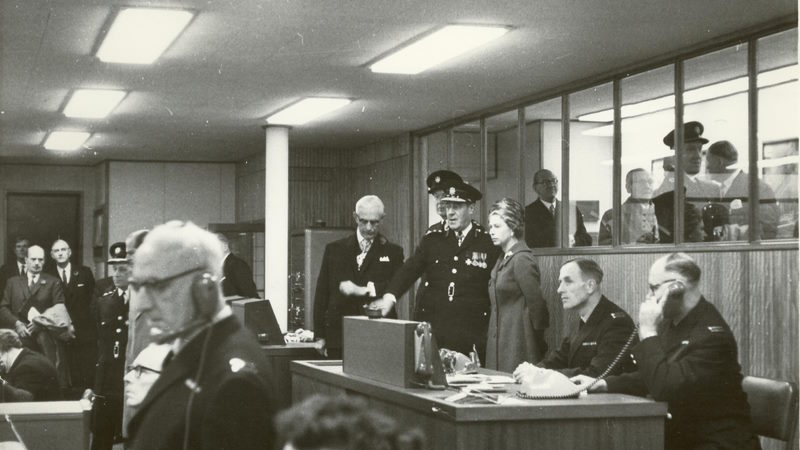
33 312
479 378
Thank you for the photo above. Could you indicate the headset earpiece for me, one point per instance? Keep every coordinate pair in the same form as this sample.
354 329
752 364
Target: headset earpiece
205 295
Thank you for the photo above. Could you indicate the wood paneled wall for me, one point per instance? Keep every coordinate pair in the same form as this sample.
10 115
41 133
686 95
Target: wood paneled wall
756 292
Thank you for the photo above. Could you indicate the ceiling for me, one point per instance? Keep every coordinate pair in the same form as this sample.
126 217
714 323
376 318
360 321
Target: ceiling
206 98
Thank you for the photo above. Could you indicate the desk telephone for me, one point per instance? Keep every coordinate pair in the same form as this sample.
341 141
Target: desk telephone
555 385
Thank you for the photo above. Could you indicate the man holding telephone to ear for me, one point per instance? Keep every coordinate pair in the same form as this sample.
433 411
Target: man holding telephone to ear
687 357
213 391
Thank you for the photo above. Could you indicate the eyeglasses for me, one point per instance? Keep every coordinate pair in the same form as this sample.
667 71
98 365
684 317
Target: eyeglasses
139 370
370 222
552 182
154 283
655 287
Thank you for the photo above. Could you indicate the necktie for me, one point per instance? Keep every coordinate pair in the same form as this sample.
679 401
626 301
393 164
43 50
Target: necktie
64 275
31 282
365 245
553 209
460 237
21 270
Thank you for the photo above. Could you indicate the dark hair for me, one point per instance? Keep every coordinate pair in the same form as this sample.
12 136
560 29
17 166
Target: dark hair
589 268
512 213
684 265
9 339
19 239
344 423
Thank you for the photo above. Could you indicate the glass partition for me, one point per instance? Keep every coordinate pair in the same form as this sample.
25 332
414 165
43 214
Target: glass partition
647 169
438 147
503 169
465 159
778 134
716 136
591 158
542 150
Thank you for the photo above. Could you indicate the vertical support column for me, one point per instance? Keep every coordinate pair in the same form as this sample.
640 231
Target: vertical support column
276 221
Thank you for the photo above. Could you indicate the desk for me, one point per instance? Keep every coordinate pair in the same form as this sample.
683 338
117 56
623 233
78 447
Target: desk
45 425
279 357
596 421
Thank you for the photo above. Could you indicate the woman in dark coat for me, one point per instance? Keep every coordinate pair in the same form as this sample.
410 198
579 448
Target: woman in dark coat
519 313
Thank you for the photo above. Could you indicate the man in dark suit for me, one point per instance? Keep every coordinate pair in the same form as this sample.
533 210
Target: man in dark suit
688 358
601 331
214 392
457 263
78 283
354 270
542 217
27 375
237 276
29 296
21 245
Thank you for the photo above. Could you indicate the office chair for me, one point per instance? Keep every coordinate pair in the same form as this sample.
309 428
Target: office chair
773 408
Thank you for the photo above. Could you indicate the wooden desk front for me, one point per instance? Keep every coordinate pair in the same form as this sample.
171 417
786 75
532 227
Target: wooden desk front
596 421
46 425
279 357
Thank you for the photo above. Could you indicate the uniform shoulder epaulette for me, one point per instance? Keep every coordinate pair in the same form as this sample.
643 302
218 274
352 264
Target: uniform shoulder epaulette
618 314
434 231
106 294
716 329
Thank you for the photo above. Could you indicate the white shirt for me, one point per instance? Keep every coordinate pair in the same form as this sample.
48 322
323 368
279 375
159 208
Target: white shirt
67 270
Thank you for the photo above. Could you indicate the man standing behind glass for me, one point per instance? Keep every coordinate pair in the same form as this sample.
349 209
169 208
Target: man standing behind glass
456 263
639 222
542 224
21 245
354 270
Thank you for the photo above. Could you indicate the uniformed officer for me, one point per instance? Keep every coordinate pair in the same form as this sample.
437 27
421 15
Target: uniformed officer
456 262
111 315
601 331
688 358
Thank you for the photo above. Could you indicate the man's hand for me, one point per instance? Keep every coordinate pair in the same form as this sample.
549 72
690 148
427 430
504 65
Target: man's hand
320 347
585 380
21 329
384 304
651 313
32 327
351 289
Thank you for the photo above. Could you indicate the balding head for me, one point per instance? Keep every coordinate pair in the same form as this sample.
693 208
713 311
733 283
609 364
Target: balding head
368 215
35 260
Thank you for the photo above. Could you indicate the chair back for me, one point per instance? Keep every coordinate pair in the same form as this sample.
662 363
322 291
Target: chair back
773 407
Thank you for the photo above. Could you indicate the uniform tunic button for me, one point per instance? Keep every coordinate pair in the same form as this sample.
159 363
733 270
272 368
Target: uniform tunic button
426 283
455 258
436 262
119 330
454 270
119 317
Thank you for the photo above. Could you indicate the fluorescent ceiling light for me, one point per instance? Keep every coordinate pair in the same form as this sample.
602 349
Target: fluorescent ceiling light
436 48
66 140
307 110
93 103
140 35
712 91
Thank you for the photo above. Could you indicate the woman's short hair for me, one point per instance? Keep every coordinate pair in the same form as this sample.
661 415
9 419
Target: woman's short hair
512 213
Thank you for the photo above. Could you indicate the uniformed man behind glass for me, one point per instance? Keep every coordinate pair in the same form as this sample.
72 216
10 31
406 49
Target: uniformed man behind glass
213 391
688 358
354 270
600 332
456 263
110 307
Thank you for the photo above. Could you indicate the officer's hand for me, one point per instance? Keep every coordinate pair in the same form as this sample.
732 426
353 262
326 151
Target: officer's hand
585 380
21 329
320 347
385 304
350 288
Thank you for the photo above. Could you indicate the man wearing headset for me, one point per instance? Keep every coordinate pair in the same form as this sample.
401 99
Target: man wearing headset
213 391
687 357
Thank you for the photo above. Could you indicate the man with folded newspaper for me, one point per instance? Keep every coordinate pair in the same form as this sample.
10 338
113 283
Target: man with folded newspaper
33 306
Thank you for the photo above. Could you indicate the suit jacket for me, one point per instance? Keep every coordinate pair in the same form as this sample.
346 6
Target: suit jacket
590 349
694 367
32 377
238 278
541 227
230 399
17 299
455 299
8 271
78 300
519 312
339 264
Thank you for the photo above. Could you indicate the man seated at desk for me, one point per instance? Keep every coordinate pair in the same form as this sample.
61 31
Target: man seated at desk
600 332
687 357
27 375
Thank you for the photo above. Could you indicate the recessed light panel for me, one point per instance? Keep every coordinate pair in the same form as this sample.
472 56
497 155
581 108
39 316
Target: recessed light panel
93 103
140 35
66 140
306 110
437 47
